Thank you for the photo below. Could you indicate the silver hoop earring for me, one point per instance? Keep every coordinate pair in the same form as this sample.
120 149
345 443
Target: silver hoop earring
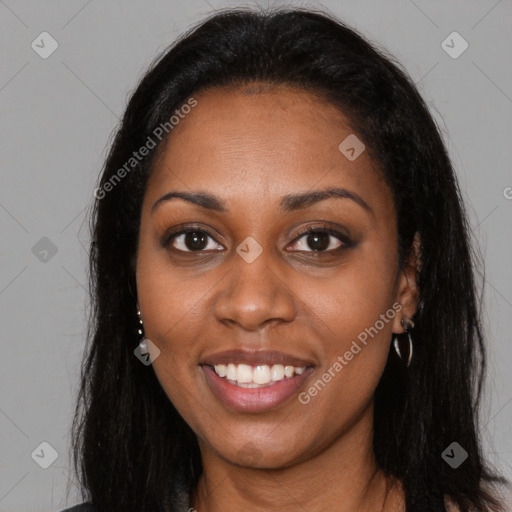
405 355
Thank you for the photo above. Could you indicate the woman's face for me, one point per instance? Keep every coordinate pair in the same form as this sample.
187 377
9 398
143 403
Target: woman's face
262 328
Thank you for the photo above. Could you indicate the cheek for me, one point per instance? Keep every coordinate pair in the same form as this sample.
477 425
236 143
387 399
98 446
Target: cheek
167 303
171 298
351 301
354 316
173 317
177 314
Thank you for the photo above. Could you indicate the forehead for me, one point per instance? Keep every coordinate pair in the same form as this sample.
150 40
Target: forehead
259 140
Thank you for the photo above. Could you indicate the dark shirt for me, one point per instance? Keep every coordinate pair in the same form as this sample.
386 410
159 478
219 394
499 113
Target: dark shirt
84 507
87 507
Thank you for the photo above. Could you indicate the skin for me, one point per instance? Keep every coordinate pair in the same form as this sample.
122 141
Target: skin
249 147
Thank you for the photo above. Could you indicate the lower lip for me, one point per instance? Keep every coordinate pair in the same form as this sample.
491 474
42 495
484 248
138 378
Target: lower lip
254 399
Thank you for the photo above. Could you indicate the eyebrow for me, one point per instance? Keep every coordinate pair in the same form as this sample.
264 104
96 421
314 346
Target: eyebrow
288 203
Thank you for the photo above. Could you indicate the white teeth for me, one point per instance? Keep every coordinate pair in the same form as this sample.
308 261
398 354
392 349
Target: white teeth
261 374
247 376
231 372
277 372
221 370
244 373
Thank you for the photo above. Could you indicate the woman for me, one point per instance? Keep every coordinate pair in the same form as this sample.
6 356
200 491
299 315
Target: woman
285 311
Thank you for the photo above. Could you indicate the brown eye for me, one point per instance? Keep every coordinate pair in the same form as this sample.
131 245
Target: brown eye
193 240
320 240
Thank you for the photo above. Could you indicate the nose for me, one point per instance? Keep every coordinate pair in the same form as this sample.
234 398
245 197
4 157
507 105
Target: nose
255 296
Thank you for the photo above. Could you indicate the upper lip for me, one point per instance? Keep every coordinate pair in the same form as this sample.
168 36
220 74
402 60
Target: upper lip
255 357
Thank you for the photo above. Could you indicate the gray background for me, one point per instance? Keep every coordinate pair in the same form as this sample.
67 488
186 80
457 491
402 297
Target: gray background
57 116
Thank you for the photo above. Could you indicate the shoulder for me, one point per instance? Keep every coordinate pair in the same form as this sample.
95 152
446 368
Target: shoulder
84 507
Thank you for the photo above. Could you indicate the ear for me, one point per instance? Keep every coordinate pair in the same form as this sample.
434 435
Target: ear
407 291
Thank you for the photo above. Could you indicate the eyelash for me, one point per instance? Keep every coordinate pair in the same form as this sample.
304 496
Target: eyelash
344 239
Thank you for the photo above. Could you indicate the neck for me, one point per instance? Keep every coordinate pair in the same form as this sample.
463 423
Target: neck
342 477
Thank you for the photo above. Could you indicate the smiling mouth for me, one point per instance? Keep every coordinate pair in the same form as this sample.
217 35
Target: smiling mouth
255 381
250 396
257 376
